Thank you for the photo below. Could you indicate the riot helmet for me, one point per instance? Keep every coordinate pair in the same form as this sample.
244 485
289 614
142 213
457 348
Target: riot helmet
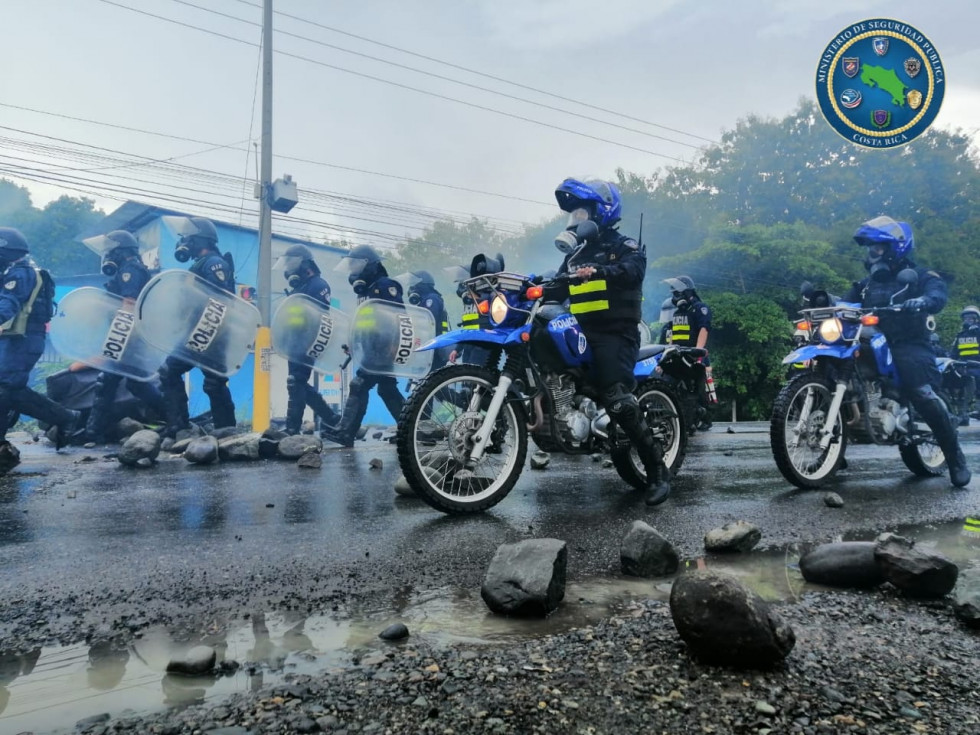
890 245
418 284
588 201
363 267
296 263
200 235
121 247
13 246
970 316
682 290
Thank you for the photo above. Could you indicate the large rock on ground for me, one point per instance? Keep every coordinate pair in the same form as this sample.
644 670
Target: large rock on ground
269 443
916 573
202 450
966 598
526 578
723 622
144 444
9 457
239 447
294 447
645 553
845 564
735 536
127 427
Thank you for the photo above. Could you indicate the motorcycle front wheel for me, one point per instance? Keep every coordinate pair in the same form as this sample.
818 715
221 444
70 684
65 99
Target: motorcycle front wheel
924 458
435 438
798 415
664 415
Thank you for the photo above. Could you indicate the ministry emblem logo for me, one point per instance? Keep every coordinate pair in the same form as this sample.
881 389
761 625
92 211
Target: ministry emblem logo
887 68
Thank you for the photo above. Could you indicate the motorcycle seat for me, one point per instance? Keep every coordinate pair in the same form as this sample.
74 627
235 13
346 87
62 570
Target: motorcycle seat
650 350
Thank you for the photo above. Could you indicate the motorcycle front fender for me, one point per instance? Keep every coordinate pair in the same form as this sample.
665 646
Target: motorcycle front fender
811 352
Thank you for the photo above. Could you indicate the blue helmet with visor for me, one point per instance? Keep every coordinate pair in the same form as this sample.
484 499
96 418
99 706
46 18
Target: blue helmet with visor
600 200
889 242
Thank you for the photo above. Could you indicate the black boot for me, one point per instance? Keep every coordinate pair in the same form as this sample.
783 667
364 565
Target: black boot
944 430
294 415
327 416
658 476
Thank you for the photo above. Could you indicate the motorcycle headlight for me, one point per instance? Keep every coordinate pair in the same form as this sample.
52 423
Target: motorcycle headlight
498 309
830 330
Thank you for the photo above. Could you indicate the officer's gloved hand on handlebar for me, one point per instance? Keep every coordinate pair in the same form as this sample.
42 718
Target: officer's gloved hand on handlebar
916 304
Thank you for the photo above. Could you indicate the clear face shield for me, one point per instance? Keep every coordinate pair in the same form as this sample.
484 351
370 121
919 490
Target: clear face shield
353 267
569 241
288 264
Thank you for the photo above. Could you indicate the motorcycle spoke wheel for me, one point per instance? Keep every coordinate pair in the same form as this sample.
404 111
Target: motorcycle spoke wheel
798 418
435 441
661 408
924 458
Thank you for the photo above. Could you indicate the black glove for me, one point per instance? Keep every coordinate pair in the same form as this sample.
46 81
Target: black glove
916 304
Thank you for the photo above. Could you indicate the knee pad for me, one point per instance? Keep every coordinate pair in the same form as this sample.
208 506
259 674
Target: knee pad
358 385
924 393
169 376
292 385
621 405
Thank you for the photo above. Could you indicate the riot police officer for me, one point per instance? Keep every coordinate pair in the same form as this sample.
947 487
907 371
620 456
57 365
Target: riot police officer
369 279
201 245
303 276
666 320
606 295
422 292
890 247
481 265
26 306
122 263
966 347
690 327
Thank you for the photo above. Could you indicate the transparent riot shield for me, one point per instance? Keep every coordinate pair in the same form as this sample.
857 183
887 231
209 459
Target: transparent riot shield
645 337
305 331
384 337
96 327
191 320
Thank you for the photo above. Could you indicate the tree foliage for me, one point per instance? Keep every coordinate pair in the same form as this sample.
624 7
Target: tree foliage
51 230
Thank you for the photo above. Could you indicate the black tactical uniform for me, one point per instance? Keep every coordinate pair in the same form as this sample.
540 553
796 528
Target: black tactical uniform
26 306
369 282
213 268
607 304
128 277
303 277
906 331
966 347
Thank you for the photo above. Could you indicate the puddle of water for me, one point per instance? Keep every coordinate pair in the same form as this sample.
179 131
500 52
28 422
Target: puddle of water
49 689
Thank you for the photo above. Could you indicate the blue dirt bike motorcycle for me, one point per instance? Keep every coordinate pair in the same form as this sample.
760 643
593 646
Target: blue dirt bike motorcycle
851 391
463 433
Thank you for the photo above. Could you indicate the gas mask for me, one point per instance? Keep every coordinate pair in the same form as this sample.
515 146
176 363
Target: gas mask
414 298
680 299
112 261
877 263
184 250
578 232
357 282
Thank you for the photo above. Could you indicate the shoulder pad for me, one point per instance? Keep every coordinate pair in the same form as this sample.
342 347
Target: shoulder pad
631 243
933 273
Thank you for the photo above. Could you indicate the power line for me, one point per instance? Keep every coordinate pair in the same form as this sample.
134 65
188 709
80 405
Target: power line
398 84
296 159
577 102
440 76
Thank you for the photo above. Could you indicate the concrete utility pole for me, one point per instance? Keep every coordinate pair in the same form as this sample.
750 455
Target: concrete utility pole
263 340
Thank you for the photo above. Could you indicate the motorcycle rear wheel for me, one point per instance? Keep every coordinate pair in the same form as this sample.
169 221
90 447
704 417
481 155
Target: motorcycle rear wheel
795 444
664 415
435 432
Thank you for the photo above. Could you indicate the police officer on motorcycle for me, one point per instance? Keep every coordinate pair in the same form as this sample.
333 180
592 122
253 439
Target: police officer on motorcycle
201 245
966 347
690 327
605 296
128 275
303 277
369 279
890 247
26 306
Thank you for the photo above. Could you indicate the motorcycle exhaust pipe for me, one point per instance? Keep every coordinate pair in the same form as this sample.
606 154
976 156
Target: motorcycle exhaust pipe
538 413
600 425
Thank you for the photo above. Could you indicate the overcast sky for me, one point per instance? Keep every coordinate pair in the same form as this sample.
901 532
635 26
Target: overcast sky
682 72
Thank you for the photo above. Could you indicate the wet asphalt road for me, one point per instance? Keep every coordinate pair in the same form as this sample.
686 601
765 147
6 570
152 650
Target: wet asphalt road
85 543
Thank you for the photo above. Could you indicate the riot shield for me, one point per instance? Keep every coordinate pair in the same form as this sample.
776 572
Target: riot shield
384 337
96 327
305 331
194 321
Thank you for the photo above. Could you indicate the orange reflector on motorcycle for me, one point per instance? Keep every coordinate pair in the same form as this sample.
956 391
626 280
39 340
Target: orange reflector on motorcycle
869 320
804 325
535 292
483 307
525 336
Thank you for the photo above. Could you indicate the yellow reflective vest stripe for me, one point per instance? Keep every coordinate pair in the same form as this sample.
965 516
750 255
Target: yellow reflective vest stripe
588 297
